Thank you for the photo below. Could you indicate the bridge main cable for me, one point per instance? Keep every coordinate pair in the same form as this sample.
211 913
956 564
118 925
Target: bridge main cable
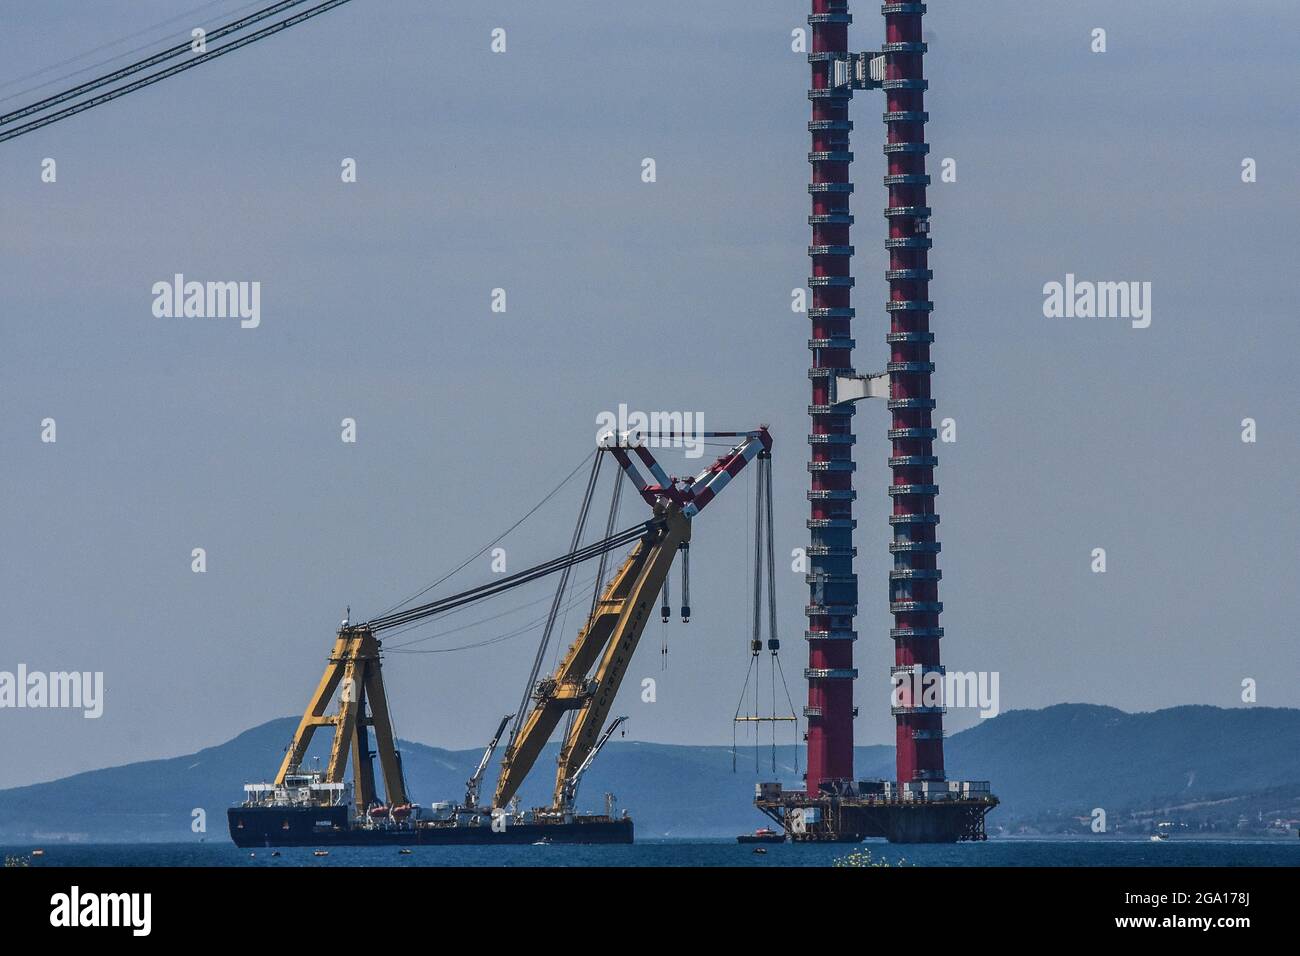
168 54
15 131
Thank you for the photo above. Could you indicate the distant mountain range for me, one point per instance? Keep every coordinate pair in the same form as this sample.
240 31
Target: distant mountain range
1205 766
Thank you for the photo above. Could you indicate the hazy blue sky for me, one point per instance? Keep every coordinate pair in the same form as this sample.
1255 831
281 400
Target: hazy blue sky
478 170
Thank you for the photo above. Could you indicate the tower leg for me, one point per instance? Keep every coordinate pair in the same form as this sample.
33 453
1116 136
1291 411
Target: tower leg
832 584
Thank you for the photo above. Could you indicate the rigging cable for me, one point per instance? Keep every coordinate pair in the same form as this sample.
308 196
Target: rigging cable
764 566
615 500
609 530
735 722
685 549
498 639
482 551
665 612
790 703
773 642
494 588
540 656
464 627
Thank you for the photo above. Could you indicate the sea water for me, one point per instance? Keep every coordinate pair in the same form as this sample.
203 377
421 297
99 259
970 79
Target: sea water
996 852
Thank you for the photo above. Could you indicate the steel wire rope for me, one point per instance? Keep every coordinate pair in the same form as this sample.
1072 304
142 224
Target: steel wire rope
152 78
100 64
482 551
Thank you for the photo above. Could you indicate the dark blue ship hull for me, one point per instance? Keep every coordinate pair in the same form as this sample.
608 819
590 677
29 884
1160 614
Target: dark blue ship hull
332 826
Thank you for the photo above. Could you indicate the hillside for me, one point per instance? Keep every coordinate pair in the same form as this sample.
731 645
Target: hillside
1049 767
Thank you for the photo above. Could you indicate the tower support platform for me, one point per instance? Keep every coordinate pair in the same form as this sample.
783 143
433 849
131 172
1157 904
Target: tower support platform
898 817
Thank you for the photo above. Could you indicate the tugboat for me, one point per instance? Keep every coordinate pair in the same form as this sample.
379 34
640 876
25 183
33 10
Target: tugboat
762 835
1162 832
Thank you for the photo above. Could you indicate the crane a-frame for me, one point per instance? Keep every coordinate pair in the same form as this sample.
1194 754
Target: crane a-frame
353 666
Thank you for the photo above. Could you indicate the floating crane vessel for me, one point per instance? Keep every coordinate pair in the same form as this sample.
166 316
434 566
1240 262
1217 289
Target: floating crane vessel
306 807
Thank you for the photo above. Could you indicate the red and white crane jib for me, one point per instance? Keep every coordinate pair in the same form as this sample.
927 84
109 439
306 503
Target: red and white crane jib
690 494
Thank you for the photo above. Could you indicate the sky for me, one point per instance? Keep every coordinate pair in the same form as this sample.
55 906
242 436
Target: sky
522 171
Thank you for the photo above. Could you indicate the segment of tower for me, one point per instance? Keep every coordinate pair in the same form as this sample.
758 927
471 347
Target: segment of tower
914 578
832 584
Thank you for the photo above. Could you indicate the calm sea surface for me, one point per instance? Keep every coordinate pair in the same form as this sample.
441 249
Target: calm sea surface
1017 852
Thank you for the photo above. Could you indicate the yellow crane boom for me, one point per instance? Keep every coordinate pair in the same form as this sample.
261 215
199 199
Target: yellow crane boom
588 678
606 644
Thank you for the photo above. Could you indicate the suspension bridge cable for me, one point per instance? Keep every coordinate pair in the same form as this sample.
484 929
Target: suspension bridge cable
169 54
100 64
152 78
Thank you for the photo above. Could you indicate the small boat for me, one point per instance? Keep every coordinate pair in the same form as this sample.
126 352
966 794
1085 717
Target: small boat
320 852
762 835
276 853
544 841
404 851
1159 837
38 852
760 849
